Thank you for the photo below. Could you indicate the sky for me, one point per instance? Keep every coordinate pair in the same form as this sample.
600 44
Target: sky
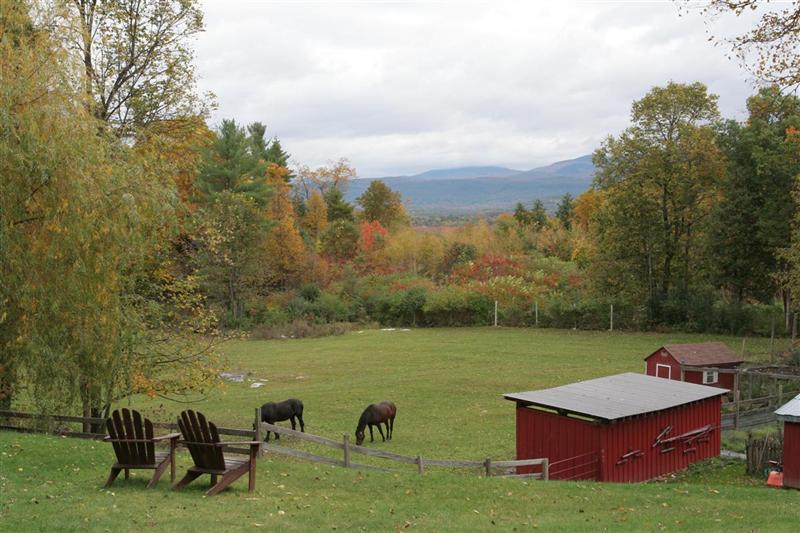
402 87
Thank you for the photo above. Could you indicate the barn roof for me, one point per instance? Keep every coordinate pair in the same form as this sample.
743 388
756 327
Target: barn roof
619 396
790 412
701 354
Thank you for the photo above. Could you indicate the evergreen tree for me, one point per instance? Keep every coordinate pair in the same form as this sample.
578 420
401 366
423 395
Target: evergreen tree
564 210
381 203
338 208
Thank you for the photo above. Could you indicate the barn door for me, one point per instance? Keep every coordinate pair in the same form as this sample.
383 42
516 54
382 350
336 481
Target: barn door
664 371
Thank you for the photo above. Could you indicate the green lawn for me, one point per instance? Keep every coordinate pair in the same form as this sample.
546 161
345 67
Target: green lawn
448 386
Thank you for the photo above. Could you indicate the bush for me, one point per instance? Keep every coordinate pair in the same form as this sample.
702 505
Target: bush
298 329
456 306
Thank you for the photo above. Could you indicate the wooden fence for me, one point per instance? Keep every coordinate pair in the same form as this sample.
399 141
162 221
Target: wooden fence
47 424
763 452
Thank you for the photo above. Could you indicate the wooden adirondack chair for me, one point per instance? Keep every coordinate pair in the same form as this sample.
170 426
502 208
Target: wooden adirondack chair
134 444
204 445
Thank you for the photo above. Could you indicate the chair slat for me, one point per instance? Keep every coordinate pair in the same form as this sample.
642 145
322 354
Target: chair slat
124 446
138 431
219 458
112 432
150 445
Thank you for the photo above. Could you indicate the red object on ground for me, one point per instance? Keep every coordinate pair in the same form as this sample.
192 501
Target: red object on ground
775 479
666 363
623 428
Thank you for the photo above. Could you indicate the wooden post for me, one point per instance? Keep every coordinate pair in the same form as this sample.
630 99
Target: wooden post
257 425
780 394
346 450
683 373
736 398
536 313
546 469
611 319
794 327
495 313
487 464
772 341
420 466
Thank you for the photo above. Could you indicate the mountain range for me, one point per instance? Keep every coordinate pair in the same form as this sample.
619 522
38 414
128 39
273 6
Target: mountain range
484 188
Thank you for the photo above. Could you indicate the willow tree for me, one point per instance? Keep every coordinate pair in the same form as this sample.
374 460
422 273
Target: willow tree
82 216
659 179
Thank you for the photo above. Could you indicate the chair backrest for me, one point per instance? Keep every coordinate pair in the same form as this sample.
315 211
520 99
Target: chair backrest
125 425
198 434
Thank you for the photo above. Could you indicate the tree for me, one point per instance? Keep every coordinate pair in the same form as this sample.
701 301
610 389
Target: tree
81 217
769 50
137 60
233 164
456 254
381 203
564 210
324 179
285 250
315 220
338 208
658 178
340 240
268 151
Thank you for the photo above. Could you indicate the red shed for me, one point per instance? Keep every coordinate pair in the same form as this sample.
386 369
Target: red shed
627 427
790 415
666 363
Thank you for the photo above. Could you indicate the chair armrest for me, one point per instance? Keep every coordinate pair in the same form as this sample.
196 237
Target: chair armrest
164 437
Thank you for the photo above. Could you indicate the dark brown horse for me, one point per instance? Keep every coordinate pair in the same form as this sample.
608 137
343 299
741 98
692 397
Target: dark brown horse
290 409
374 415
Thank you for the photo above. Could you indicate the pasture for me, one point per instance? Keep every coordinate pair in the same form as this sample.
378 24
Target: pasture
448 385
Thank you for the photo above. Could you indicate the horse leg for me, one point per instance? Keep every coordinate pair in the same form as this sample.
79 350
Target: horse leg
388 431
392 421
371 437
381 432
294 423
302 424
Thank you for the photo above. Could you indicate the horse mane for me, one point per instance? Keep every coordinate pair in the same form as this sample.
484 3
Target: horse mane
362 422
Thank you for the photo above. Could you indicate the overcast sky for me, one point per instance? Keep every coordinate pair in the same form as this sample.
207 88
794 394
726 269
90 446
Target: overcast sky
403 87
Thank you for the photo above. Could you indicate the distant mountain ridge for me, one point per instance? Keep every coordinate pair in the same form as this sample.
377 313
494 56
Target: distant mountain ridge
484 188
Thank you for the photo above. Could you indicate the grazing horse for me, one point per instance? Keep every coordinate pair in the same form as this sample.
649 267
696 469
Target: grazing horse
290 409
374 415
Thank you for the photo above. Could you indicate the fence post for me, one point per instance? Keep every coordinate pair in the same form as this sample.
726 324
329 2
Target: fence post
736 398
487 464
346 450
611 319
536 313
772 340
420 466
546 469
780 394
495 313
257 430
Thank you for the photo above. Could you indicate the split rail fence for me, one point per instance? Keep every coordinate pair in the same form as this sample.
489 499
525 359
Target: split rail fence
47 424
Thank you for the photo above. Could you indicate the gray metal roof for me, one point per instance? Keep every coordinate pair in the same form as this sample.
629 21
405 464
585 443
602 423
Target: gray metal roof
619 396
790 412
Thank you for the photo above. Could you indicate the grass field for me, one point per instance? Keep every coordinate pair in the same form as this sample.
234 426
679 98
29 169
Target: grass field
448 386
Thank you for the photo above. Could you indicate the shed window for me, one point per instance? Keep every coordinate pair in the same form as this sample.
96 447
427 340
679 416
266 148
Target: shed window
710 376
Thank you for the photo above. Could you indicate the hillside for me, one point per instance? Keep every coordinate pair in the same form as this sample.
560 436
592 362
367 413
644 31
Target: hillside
470 189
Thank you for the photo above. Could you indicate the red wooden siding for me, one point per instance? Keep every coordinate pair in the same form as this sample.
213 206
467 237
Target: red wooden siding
562 438
559 438
661 358
791 454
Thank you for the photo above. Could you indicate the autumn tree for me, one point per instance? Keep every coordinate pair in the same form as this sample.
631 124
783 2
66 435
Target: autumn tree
659 179
340 240
285 250
315 219
137 60
768 50
325 178
337 207
81 217
381 203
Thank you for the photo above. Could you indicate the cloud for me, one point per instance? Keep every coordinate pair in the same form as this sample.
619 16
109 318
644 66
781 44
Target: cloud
402 87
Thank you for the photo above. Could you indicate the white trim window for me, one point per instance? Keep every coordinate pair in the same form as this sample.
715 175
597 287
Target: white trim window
710 376
658 371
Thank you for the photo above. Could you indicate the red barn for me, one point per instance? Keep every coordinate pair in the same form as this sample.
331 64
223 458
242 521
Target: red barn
666 363
790 415
627 427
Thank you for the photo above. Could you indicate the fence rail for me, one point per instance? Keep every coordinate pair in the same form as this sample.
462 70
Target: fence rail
487 465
